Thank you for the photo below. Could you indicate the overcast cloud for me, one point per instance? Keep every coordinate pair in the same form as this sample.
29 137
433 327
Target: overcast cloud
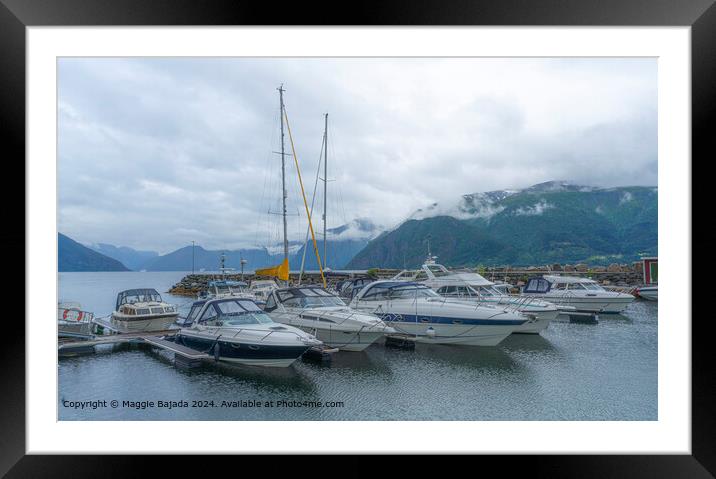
155 153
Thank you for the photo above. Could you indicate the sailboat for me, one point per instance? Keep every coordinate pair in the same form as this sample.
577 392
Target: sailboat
314 309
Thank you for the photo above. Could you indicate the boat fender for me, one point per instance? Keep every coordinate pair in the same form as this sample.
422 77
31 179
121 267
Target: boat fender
216 351
430 332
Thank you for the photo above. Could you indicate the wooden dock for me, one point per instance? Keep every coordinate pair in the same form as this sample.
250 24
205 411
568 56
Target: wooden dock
183 356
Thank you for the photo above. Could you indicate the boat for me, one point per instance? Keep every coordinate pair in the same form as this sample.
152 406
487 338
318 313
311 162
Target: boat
470 286
236 330
584 294
142 310
415 309
261 288
73 322
322 313
224 288
650 293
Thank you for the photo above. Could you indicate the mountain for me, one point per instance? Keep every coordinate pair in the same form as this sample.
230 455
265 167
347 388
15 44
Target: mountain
72 256
129 257
344 242
552 222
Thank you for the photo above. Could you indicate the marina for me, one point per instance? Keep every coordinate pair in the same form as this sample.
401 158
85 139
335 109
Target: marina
570 371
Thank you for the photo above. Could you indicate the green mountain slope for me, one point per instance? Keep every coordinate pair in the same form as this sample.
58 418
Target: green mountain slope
547 223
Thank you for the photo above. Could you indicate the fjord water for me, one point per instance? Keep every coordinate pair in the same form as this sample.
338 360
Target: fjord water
605 371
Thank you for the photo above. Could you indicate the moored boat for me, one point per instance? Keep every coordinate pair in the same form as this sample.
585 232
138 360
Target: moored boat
416 310
324 314
142 310
584 294
473 287
73 322
236 330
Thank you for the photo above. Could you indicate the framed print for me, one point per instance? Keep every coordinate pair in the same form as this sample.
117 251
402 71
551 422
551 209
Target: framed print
421 231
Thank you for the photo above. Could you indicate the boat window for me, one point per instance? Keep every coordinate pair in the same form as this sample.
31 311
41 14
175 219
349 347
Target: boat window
560 286
421 276
157 310
229 307
246 318
143 311
194 311
309 292
376 293
487 291
411 292
576 286
538 285
593 287
438 270
313 302
249 305
270 304
209 315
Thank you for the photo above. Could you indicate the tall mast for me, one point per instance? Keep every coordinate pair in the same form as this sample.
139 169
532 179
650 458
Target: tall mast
283 176
325 189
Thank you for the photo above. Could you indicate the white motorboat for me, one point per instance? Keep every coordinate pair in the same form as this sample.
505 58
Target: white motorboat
415 309
470 286
650 293
324 314
236 330
142 310
73 322
261 288
584 294
224 289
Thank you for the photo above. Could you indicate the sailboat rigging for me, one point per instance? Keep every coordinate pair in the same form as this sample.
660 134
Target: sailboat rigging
282 271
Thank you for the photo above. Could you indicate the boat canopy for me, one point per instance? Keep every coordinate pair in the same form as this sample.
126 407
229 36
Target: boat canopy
143 295
537 285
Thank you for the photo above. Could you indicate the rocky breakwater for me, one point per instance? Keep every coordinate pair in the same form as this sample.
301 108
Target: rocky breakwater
193 284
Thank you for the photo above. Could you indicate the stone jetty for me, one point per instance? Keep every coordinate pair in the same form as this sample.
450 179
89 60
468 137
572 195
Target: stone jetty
614 276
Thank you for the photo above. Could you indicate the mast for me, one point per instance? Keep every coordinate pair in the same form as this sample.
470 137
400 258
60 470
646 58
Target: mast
283 176
325 189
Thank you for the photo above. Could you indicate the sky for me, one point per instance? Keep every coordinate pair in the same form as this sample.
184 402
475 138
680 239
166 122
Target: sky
154 153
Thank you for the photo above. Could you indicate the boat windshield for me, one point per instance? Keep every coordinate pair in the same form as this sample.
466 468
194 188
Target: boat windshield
240 319
310 297
592 286
312 301
438 270
489 291
412 292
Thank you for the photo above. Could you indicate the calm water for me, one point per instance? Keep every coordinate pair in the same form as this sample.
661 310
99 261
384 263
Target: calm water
606 371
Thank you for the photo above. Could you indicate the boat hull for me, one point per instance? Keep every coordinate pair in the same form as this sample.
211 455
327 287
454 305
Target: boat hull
592 305
457 334
150 323
344 340
650 294
243 353
535 326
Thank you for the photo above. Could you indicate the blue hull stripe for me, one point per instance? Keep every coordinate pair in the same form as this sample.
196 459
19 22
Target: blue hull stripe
424 319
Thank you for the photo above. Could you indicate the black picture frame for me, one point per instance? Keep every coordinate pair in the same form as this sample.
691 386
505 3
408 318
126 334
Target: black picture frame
16 15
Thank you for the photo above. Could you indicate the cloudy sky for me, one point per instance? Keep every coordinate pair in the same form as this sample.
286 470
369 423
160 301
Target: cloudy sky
155 153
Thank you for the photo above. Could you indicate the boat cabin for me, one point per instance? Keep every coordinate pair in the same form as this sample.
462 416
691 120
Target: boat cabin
226 312
142 302
302 297
545 284
384 290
